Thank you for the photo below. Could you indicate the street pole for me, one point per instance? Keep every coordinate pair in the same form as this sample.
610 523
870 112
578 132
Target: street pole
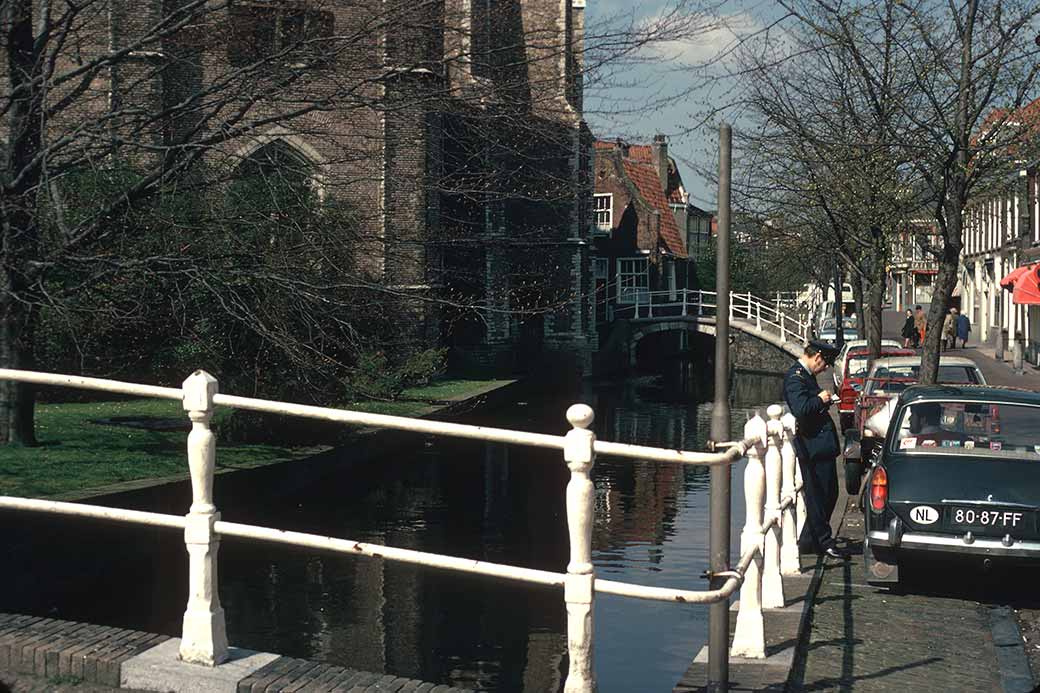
718 613
839 306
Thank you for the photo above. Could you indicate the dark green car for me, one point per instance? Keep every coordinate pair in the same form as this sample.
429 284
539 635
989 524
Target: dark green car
955 473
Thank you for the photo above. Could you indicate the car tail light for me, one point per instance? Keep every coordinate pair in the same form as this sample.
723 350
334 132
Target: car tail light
878 489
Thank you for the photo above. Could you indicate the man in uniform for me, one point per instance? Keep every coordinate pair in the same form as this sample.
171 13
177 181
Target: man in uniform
816 445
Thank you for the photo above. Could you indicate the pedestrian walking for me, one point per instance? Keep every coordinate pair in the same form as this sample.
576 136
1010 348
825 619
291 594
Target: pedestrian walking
816 446
949 330
963 329
909 332
920 322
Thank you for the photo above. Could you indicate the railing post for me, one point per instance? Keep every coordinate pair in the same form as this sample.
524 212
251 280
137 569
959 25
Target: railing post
685 291
783 329
204 638
749 638
758 315
578 590
789 561
772 583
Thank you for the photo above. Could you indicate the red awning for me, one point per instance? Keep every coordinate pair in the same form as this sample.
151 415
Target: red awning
1008 282
1024 283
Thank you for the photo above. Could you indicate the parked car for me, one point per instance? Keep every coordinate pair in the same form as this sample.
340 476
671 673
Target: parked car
957 475
854 372
839 360
889 377
828 333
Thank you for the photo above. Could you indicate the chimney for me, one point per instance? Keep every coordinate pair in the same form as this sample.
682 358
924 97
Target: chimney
660 154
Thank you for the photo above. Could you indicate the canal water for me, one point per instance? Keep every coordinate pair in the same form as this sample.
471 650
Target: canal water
467 498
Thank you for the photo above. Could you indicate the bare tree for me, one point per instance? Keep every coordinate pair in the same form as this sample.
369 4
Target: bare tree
821 150
966 70
124 125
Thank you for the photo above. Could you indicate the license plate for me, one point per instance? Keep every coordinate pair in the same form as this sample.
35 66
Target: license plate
969 517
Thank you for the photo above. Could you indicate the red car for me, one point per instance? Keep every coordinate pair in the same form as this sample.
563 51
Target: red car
852 382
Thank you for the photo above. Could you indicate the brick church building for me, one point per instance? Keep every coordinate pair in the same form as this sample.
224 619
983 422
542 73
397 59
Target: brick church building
453 130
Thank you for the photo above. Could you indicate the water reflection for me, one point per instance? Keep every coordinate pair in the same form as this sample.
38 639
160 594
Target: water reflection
484 501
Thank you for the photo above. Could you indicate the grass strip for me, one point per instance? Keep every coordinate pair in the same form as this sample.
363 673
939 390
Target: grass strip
77 454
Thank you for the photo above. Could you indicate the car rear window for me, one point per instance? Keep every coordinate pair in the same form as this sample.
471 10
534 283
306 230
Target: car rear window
987 429
950 375
858 367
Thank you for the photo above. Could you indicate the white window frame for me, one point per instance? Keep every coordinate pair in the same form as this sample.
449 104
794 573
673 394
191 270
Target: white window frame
603 217
633 280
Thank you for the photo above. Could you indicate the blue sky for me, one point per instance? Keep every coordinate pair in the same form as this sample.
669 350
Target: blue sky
669 89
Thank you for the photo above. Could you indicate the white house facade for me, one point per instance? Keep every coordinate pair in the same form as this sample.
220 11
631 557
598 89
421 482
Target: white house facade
1001 233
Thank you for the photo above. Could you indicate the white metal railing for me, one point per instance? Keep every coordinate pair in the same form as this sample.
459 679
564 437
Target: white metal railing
768 546
764 316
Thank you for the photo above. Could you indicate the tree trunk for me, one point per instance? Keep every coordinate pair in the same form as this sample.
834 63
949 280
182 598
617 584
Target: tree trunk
942 293
19 231
856 280
839 309
872 317
952 207
17 400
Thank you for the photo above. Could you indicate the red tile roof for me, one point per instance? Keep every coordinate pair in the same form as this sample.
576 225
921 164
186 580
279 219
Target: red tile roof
642 153
648 182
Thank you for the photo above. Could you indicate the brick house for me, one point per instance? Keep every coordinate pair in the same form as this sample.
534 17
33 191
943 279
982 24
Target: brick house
638 244
457 140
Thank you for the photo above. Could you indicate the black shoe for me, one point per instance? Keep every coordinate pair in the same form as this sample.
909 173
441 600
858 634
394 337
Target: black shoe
835 552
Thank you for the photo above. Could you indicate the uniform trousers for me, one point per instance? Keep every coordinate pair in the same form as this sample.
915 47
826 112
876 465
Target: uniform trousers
820 489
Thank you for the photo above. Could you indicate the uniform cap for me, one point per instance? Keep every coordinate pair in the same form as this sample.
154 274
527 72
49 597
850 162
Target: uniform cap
826 349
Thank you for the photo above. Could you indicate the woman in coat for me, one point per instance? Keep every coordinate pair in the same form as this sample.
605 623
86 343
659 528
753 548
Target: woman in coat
963 329
949 329
909 332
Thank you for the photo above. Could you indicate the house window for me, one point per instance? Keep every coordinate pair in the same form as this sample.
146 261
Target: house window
603 210
633 280
600 265
261 30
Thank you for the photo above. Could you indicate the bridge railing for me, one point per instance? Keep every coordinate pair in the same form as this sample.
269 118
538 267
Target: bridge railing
768 542
764 315
767 316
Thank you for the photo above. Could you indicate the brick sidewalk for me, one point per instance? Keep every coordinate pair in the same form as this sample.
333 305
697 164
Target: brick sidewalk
869 639
44 654
866 639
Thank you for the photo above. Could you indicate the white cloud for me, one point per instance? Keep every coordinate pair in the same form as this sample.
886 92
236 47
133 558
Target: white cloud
714 41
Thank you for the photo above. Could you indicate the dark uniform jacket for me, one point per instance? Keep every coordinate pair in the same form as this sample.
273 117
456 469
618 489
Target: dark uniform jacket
816 439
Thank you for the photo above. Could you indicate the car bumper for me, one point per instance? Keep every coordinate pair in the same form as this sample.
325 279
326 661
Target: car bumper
932 543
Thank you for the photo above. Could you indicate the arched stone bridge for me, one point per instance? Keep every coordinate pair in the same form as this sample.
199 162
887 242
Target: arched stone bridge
687 310
641 327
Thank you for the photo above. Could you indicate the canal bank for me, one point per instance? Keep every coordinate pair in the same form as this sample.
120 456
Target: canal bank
452 406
